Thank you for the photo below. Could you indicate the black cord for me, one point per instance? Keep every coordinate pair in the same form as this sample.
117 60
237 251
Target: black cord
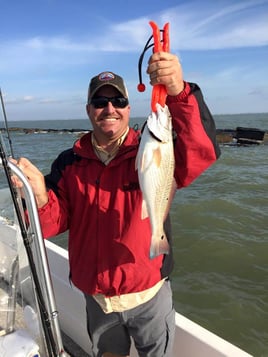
141 86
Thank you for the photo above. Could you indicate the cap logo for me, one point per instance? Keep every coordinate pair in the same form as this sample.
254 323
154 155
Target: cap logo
106 76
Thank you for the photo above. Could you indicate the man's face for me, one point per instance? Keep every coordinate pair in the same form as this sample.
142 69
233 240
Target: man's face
110 122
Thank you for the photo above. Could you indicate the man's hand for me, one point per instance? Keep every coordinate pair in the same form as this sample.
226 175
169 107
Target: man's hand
165 68
36 180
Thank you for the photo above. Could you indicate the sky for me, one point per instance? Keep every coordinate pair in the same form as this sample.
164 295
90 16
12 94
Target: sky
49 50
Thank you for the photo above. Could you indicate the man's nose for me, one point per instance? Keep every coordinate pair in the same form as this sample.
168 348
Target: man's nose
110 108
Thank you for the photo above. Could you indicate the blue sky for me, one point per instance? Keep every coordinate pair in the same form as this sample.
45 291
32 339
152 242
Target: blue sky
49 49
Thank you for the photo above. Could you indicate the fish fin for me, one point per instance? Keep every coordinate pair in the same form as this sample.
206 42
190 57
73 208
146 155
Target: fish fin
144 210
159 246
144 160
140 162
157 157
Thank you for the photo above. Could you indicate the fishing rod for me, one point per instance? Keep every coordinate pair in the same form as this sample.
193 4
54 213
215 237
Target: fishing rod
6 125
54 348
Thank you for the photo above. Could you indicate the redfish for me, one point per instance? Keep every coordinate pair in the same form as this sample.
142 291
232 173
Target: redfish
155 164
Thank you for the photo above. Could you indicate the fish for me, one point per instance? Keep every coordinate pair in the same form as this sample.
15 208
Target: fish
155 164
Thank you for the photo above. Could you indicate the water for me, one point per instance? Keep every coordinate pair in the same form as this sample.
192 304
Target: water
220 279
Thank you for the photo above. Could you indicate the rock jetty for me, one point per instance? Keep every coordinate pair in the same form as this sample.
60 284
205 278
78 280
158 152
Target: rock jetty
41 130
224 136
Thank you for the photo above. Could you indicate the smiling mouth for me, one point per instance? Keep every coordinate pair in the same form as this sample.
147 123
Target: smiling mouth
109 119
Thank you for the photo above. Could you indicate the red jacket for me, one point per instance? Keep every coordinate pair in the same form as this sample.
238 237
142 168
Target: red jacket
101 205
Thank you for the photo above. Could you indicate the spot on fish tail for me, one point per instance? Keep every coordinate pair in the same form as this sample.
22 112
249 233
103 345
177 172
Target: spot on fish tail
159 246
157 157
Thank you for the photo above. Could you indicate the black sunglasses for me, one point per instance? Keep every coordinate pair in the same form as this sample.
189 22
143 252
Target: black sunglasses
102 102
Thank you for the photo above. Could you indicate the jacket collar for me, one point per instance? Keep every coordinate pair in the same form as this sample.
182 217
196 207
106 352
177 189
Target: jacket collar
84 148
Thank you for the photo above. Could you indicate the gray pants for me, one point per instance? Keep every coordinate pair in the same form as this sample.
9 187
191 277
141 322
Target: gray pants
151 325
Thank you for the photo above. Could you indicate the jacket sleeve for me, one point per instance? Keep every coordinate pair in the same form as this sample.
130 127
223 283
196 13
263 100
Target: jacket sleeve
54 215
196 147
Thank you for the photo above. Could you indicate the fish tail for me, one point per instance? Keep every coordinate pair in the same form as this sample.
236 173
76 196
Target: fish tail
159 246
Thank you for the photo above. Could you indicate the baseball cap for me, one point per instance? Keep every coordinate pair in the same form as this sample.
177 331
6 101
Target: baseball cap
106 78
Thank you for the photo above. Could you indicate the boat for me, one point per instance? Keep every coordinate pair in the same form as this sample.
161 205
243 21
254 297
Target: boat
41 313
66 313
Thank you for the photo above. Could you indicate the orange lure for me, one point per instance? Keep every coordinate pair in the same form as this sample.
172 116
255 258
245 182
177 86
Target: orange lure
159 92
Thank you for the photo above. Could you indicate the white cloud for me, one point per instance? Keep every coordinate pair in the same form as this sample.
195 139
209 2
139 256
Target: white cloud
41 64
213 27
28 98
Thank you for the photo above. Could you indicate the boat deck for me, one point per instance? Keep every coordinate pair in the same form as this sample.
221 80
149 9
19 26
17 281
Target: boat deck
69 345
191 339
72 348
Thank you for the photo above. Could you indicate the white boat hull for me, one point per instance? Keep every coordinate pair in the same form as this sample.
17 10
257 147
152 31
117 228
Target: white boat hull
191 340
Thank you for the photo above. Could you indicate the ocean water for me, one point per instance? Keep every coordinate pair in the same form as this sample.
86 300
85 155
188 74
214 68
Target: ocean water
220 231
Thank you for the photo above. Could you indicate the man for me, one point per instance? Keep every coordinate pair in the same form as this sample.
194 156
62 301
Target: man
93 191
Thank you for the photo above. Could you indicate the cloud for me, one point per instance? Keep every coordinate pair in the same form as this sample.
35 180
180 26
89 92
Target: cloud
57 43
28 98
51 64
50 101
19 100
259 92
219 27
208 27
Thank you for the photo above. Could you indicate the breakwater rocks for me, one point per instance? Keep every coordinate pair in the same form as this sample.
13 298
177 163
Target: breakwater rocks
240 135
42 131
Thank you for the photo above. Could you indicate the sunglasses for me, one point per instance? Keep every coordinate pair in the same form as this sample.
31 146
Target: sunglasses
102 102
